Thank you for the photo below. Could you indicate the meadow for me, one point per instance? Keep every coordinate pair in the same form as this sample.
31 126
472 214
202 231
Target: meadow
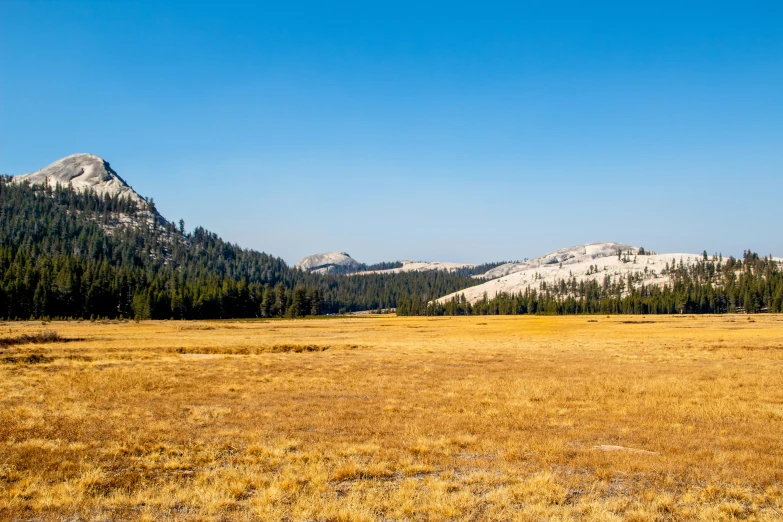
387 418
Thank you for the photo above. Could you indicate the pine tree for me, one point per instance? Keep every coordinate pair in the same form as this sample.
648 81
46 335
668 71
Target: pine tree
281 302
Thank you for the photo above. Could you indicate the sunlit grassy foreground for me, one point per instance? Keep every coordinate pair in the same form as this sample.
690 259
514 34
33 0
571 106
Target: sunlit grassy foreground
385 418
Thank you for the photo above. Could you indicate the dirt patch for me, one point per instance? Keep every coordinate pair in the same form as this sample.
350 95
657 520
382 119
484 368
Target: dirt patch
607 447
200 355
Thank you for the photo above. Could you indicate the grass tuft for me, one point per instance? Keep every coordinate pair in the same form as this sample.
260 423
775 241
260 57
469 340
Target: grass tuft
47 336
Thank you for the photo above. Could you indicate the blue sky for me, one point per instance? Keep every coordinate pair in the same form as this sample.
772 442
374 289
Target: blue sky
415 130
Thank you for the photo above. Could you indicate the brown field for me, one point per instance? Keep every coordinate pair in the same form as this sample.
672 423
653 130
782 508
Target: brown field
385 418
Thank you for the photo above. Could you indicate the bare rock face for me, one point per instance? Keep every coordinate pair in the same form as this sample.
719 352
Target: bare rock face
570 255
329 262
590 262
83 172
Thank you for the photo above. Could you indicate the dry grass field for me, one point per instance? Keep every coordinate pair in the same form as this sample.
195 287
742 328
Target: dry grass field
386 418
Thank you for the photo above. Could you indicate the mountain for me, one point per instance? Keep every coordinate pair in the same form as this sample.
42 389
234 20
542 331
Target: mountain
564 255
342 263
421 266
589 279
330 262
588 262
83 172
77 241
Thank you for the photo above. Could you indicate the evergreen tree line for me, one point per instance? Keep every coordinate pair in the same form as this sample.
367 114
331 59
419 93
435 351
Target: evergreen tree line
710 286
466 271
72 254
480 269
360 267
383 265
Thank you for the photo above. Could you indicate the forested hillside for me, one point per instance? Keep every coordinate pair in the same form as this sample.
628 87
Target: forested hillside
76 254
712 285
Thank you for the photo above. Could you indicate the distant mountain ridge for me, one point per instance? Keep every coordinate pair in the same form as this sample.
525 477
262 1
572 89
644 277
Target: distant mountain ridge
96 246
422 266
590 261
77 241
342 263
604 262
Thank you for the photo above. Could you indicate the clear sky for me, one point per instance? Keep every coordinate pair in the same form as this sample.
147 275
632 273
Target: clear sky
415 130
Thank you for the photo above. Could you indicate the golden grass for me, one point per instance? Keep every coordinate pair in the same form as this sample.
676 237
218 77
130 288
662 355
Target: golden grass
385 418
